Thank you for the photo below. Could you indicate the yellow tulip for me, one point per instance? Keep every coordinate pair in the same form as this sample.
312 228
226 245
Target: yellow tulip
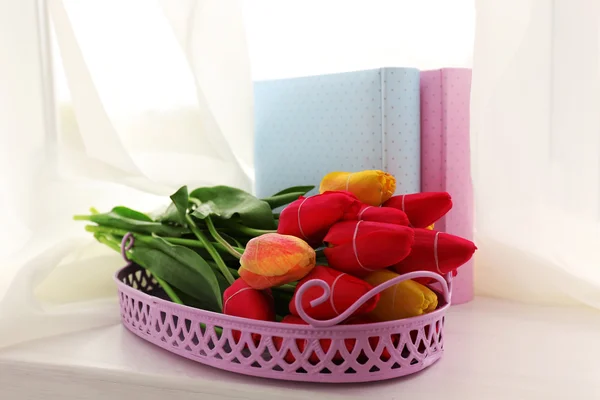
274 259
372 187
430 227
403 300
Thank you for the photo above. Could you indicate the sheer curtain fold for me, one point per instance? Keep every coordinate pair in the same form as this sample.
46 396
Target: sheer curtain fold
124 86
138 120
536 150
224 85
99 137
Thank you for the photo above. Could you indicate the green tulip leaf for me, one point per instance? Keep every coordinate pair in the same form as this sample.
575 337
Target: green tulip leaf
287 196
295 189
227 203
181 268
181 201
133 221
127 212
189 300
205 210
171 215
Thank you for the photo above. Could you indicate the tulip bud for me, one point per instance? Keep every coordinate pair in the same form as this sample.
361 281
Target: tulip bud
360 247
383 214
273 260
241 300
372 187
344 291
403 300
435 251
309 218
423 209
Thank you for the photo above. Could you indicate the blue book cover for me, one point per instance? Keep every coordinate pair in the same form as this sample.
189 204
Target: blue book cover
310 126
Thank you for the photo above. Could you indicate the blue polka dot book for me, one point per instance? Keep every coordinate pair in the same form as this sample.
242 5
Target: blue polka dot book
306 127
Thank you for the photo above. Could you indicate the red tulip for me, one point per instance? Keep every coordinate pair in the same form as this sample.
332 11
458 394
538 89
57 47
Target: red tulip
436 252
360 247
388 215
345 290
326 343
241 300
423 209
309 218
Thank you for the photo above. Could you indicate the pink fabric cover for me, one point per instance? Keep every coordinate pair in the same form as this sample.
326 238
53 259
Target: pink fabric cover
445 157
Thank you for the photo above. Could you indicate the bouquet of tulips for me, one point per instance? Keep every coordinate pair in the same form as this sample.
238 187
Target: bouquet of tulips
224 250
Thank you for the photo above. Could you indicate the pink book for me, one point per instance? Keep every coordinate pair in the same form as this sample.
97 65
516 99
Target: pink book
445 157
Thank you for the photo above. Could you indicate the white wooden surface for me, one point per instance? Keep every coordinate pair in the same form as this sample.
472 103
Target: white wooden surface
494 350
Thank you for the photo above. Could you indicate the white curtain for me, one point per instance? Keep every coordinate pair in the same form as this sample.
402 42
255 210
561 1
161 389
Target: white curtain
536 150
150 95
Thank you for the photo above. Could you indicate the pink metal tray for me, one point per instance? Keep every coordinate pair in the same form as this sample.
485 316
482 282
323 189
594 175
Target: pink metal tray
321 352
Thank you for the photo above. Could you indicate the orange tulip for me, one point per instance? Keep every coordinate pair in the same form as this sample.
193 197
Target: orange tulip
274 259
372 187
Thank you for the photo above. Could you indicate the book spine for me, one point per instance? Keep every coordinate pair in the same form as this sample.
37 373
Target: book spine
401 132
445 155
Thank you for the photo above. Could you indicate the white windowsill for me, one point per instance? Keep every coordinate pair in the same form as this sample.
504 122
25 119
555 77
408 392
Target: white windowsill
494 350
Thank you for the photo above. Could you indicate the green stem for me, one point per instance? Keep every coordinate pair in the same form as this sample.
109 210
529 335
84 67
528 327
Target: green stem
219 238
198 244
106 230
239 246
172 240
210 248
168 290
108 242
252 232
